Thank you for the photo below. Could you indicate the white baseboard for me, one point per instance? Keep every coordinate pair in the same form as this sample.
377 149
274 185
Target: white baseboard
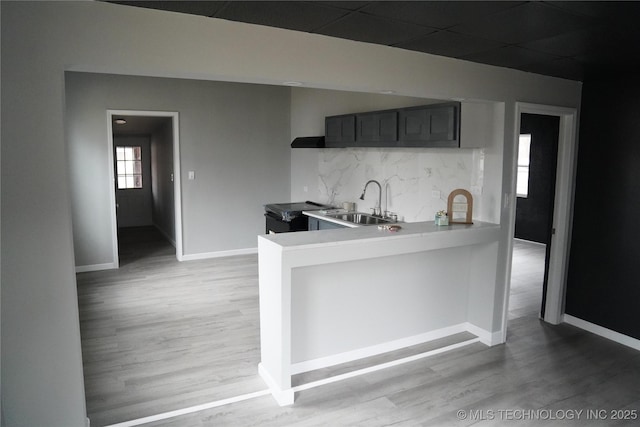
95 267
219 254
286 397
349 356
386 365
602 331
166 235
487 338
189 410
529 241
192 257
283 397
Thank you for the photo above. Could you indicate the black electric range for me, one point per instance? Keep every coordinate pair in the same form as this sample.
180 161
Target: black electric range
288 217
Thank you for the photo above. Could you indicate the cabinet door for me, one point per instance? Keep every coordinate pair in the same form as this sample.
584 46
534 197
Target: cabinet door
377 129
340 131
430 126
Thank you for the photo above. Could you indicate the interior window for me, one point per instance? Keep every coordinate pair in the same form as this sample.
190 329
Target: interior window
129 167
524 154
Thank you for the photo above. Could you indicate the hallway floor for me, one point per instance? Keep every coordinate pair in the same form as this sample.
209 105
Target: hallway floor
527 275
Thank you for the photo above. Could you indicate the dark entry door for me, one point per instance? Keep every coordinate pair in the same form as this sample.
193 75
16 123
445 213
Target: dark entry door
534 213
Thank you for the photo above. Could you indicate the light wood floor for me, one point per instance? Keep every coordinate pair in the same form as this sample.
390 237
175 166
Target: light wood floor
527 275
159 335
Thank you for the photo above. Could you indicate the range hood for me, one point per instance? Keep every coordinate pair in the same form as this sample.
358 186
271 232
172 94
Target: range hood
308 142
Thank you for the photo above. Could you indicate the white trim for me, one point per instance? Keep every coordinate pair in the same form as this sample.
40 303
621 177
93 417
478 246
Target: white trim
191 409
177 187
177 192
602 331
361 353
530 241
487 338
112 192
562 219
283 397
385 365
96 267
562 214
219 254
287 397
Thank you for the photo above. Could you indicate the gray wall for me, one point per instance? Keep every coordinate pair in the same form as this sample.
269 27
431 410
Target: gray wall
42 382
234 136
163 209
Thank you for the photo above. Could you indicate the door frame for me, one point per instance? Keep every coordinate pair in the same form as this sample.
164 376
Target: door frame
177 195
562 211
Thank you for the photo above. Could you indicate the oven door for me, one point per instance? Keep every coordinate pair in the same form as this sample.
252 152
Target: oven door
275 224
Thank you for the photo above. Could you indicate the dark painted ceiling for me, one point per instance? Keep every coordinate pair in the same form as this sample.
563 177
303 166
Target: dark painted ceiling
568 39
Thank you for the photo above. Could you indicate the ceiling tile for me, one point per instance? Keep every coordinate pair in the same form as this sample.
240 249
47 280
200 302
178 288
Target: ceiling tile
454 45
531 21
301 16
510 56
437 14
367 28
349 5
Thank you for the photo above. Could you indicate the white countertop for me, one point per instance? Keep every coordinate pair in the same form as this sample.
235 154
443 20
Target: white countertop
372 233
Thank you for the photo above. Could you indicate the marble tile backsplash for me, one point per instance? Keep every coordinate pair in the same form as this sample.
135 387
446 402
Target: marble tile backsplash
415 182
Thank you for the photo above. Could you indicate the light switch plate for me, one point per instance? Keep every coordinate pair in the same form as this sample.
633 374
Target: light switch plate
192 175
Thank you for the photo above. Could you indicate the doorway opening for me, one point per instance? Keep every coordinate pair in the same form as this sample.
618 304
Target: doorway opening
556 217
535 191
146 202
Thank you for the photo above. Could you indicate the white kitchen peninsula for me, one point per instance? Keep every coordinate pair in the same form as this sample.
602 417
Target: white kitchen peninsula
327 297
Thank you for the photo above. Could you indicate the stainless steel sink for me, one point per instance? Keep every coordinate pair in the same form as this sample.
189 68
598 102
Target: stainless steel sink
361 218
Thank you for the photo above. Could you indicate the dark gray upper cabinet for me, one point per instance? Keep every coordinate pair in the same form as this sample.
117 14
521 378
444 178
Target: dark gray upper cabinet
430 126
376 129
435 125
340 131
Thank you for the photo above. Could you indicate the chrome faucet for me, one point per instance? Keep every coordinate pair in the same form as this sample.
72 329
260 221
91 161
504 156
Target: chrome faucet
377 211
